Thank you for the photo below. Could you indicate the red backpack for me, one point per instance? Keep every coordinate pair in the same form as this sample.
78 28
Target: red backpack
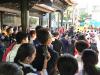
8 49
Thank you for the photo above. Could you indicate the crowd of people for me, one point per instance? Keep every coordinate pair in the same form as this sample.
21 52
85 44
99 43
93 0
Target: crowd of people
45 52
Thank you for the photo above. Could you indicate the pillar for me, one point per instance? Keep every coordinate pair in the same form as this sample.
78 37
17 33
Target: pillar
49 20
41 20
58 20
62 18
1 19
24 15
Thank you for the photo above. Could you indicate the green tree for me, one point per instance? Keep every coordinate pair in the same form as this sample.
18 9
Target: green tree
33 21
83 16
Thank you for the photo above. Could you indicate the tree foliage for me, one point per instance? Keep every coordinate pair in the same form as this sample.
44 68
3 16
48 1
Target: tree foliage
83 16
33 21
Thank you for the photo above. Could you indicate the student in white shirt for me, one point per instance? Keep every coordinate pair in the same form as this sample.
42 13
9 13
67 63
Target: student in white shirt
21 37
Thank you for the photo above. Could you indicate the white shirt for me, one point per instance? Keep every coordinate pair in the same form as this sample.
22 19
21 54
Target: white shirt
80 64
11 55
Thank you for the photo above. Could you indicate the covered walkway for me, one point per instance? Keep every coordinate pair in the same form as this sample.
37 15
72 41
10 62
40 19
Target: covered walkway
24 8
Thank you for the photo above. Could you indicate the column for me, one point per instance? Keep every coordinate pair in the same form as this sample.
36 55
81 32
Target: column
1 19
61 18
24 15
58 19
49 20
41 20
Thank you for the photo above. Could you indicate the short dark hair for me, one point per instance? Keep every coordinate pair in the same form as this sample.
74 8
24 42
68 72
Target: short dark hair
4 26
81 45
67 64
10 69
55 34
38 28
24 51
20 36
43 35
89 57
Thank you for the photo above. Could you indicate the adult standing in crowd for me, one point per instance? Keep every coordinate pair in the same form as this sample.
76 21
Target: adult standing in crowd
45 39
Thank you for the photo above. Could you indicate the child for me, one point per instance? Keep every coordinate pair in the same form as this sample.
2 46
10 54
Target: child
25 56
67 65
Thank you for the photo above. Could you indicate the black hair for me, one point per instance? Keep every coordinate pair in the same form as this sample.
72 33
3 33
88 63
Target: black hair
81 45
67 65
24 51
43 35
15 29
20 36
10 69
32 32
90 59
38 28
4 26
55 34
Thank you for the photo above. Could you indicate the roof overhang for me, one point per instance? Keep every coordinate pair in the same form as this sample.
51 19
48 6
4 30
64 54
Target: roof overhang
3 9
18 12
44 8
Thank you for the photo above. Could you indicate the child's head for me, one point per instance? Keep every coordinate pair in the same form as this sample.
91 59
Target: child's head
10 69
26 53
38 28
44 36
89 57
55 35
21 37
81 45
67 65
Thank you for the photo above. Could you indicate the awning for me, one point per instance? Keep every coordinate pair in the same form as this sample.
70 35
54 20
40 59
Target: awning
44 8
3 9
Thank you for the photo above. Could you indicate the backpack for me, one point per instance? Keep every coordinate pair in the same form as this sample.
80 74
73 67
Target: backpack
8 49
